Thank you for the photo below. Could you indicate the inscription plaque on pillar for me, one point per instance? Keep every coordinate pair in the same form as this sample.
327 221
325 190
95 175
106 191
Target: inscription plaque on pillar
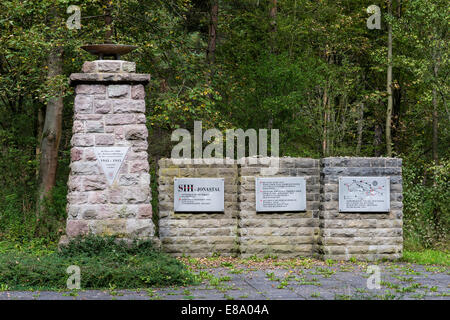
364 194
198 195
284 194
110 160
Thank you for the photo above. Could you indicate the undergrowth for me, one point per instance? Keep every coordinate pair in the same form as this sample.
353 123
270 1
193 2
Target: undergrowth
104 262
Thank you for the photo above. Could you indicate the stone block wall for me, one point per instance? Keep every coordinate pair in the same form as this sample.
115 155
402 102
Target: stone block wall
364 236
109 110
197 234
321 231
283 234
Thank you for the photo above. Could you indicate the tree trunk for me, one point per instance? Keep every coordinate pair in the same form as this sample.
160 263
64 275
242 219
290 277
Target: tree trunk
330 130
389 88
213 20
212 40
325 122
360 129
328 126
273 25
272 35
435 134
52 130
108 23
39 128
377 139
435 128
435 110
273 16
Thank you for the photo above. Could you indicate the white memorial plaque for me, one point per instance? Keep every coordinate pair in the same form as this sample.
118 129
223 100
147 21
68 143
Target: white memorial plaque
280 194
110 160
198 195
364 194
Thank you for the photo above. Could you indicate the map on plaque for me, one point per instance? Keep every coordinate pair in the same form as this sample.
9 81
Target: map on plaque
198 195
280 194
364 194
110 160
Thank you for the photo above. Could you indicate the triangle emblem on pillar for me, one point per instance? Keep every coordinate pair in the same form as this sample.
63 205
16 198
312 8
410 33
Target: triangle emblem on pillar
110 160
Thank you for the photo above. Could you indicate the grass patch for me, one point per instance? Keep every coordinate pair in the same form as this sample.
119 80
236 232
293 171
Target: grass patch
104 263
427 257
283 284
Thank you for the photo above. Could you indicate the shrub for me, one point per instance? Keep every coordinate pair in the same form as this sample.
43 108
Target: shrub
103 262
426 192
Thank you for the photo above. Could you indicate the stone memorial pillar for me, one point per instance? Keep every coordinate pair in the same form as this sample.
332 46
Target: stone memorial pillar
109 183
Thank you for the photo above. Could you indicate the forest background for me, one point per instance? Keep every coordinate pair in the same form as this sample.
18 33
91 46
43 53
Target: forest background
310 68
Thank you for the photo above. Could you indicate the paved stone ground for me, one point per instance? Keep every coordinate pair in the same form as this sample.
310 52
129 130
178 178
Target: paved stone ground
340 281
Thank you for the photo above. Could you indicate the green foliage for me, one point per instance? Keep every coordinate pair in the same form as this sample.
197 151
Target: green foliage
36 247
19 220
426 192
104 263
17 169
427 257
307 73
